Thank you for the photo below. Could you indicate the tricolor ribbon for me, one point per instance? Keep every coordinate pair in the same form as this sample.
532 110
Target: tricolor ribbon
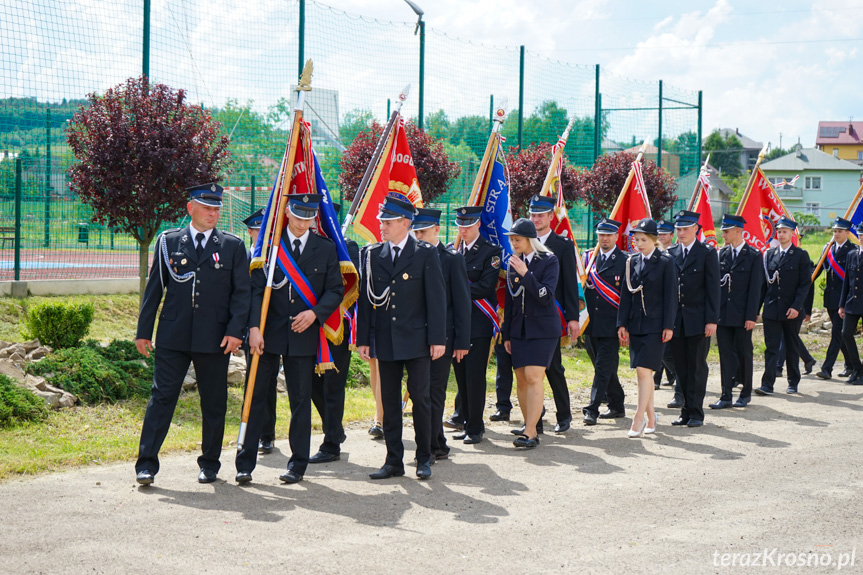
831 259
301 285
489 311
563 326
604 289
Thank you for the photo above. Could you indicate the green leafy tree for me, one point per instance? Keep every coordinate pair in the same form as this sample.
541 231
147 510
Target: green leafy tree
724 153
353 123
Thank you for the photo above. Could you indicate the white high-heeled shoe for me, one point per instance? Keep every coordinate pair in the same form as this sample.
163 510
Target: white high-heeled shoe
649 430
640 432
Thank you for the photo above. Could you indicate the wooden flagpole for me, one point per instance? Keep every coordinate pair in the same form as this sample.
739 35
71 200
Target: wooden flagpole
848 213
696 194
304 85
555 160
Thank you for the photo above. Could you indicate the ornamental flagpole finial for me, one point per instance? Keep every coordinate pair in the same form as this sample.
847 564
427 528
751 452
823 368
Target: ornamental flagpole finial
305 83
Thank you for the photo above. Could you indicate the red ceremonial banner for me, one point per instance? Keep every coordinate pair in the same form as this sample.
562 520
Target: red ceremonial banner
395 176
702 207
761 208
632 206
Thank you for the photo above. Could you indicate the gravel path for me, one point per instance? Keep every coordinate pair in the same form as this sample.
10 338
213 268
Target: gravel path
782 475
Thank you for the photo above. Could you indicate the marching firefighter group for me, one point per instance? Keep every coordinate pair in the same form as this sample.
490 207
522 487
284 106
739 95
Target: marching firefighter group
426 308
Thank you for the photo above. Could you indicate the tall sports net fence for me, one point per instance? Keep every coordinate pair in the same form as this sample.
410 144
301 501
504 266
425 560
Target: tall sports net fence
241 60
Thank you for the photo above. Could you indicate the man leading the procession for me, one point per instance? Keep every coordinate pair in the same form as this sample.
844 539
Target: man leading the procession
834 264
788 276
203 274
697 315
851 310
426 227
566 296
293 332
741 270
482 260
602 292
402 306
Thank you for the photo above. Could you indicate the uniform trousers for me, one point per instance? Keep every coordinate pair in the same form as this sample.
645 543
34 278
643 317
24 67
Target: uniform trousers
735 360
557 381
849 332
299 372
268 430
391 398
606 358
170 368
470 377
690 361
438 378
837 343
786 332
328 395
668 365
503 378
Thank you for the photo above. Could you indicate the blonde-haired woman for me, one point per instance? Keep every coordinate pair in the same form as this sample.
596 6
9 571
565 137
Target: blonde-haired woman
645 319
531 328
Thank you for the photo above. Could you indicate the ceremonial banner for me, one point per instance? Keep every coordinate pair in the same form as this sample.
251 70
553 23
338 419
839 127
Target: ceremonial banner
701 205
395 176
762 208
856 217
631 206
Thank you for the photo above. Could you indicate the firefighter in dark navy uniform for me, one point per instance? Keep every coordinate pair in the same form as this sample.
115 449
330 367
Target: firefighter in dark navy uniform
292 333
482 260
203 274
697 315
566 296
788 277
834 267
851 310
741 273
602 292
665 233
426 227
402 306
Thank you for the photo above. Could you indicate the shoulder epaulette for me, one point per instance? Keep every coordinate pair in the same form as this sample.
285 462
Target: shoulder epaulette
229 234
424 244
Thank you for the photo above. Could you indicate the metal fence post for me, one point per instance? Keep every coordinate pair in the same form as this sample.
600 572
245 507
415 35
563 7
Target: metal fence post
490 112
301 49
700 112
145 64
18 168
659 141
252 199
520 95
597 119
422 26
47 177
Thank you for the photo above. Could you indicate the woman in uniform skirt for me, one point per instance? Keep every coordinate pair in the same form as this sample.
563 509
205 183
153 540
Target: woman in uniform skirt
646 315
531 324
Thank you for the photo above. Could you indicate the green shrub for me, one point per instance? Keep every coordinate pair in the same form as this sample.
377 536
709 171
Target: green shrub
59 325
18 405
358 372
97 374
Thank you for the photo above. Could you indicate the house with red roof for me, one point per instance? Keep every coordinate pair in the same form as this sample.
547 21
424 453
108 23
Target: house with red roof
842 140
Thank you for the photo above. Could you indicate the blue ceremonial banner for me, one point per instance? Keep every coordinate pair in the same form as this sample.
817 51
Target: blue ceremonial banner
856 218
258 250
496 213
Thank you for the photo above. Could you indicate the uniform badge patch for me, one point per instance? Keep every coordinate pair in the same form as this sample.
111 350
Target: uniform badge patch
542 292
495 262
183 262
405 276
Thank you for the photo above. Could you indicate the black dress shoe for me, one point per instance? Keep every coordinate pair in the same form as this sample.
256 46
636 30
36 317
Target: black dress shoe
324 457
290 476
423 471
145 477
655 385
206 475
589 419
472 439
694 423
460 435
265 446
387 471
808 366
853 377
846 372
438 455
563 426
721 404
376 431
526 442
858 381
453 424
791 389
763 391
742 402
244 477
609 414
675 403
823 374
499 416
680 421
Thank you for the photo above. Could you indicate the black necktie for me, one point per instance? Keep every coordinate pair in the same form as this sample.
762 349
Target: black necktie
781 256
685 253
297 244
200 248
396 251
602 260
733 255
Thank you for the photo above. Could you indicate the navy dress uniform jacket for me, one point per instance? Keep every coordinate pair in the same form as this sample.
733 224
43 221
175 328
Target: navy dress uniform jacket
482 261
415 317
566 292
740 292
220 289
851 297
320 264
833 287
458 301
538 319
603 315
659 278
791 287
698 291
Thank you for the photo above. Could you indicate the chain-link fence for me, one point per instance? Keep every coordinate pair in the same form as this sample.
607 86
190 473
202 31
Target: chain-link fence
240 60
